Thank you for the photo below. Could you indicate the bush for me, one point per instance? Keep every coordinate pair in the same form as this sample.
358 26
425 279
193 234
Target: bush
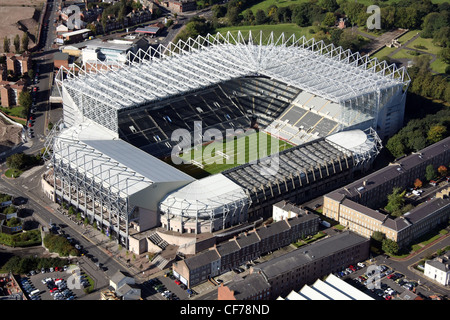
23 239
60 245
24 265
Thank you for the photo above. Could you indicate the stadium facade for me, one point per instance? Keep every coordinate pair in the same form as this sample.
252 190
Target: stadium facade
118 121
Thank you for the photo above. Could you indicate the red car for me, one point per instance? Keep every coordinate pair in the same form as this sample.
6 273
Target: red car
34 89
178 282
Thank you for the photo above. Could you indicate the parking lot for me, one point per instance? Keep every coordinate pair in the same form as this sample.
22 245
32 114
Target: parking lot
64 284
381 282
166 287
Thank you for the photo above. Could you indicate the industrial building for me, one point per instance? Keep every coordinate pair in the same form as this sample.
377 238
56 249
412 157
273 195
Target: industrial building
331 288
303 266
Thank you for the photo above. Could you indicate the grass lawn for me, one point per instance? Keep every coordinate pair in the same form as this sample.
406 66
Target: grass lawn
384 52
13 173
13 111
404 54
439 66
425 45
264 5
408 36
287 28
222 155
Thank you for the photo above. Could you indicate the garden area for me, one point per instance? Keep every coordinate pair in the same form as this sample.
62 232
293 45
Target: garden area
20 162
309 239
22 239
60 245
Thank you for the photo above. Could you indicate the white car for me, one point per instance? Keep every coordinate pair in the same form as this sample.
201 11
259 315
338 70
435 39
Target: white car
361 265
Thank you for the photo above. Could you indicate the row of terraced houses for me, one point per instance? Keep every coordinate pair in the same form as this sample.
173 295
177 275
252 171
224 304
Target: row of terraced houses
246 247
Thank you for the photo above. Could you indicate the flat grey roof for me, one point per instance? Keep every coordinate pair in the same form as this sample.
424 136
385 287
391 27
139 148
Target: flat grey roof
309 253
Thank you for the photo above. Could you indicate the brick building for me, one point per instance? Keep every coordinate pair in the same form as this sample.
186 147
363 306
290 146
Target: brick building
291 271
243 248
178 6
10 92
18 64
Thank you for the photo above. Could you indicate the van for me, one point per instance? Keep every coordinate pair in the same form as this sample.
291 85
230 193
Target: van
34 292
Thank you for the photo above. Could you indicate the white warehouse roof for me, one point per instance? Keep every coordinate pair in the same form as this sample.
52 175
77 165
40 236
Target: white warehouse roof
332 288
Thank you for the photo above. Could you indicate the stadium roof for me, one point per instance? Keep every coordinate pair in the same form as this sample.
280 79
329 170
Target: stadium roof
112 162
206 198
222 192
325 70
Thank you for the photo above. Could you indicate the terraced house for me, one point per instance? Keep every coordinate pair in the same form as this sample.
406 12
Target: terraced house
247 246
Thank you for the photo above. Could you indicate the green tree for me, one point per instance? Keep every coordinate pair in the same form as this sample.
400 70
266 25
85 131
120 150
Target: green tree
352 10
437 133
390 246
6 45
430 173
335 36
329 5
233 15
249 17
14 222
329 19
25 99
219 11
16 161
17 43
25 41
378 236
71 210
444 54
260 17
25 102
396 200
272 12
441 37
396 145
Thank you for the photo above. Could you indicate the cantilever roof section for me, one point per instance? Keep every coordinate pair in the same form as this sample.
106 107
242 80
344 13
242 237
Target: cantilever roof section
327 71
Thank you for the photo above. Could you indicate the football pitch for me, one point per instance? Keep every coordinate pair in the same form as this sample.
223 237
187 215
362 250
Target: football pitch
219 156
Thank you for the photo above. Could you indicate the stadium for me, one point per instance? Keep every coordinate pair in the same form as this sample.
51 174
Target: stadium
322 109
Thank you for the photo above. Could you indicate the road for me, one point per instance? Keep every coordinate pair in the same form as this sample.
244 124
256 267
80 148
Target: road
29 187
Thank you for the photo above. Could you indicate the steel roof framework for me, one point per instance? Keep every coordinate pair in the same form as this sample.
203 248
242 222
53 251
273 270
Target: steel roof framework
92 181
157 74
325 70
